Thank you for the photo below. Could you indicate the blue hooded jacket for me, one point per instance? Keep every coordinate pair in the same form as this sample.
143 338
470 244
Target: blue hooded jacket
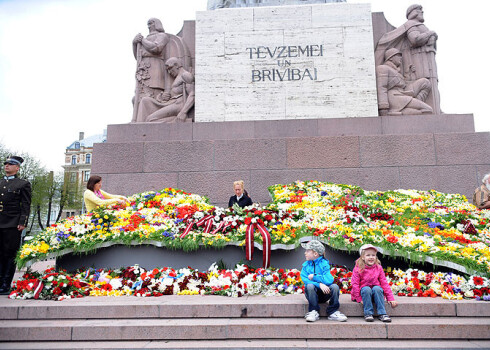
320 268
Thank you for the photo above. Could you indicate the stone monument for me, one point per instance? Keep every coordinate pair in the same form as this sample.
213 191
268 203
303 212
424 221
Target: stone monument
285 93
284 128
285 63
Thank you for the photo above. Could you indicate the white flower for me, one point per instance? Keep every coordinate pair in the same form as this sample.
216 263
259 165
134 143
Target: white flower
115 283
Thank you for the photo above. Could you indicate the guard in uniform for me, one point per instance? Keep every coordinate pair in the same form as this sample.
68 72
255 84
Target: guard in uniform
15 205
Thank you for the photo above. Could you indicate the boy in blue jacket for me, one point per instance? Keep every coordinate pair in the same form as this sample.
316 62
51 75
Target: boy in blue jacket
319 286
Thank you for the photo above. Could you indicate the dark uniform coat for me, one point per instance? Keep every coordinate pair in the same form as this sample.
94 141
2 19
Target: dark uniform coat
15 202
245 201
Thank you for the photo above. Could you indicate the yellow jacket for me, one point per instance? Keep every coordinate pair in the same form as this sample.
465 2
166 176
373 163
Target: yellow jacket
92 201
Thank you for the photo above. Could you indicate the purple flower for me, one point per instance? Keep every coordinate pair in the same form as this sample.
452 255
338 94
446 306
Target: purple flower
168 234
433 224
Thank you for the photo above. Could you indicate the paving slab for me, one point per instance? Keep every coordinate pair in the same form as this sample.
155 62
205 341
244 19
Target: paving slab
439 328
12 330
472 308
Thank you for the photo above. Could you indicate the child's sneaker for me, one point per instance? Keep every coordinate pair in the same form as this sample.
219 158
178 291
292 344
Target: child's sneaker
312 316
337 316
369 318
384 318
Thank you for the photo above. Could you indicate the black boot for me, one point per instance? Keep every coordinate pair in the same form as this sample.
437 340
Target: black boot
9 271
3 285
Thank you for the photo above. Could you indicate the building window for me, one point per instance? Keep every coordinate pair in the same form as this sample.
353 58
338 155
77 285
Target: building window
73 160
77 145
73 177
88 158
87 176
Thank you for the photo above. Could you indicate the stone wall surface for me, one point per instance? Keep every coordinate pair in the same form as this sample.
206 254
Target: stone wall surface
408 124
286 62
431 152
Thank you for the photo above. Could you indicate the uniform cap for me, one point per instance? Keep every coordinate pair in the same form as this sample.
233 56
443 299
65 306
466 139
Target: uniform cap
14 160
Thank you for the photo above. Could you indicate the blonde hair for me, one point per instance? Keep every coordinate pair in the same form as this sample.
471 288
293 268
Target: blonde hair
239 182
361 265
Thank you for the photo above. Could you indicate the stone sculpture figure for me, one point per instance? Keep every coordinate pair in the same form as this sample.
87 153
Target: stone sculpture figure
395 95
150 55
418 47
173 106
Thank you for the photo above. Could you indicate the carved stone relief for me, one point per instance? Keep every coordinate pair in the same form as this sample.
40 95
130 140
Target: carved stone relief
153 78
417 46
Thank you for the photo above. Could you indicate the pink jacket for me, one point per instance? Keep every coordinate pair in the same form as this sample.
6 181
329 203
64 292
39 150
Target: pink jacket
371 276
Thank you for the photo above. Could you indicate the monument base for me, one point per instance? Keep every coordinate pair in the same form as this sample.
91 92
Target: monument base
149 257
440 152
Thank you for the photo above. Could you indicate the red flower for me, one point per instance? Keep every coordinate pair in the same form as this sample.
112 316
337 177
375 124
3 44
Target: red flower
477 292
478 281
392 239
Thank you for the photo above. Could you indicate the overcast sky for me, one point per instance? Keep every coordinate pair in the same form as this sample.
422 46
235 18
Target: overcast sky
67 65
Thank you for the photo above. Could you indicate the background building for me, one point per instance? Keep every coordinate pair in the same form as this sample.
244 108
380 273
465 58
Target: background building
78 164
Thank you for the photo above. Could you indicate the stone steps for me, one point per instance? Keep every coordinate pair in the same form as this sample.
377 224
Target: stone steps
174 306
244 328
276 344
191 322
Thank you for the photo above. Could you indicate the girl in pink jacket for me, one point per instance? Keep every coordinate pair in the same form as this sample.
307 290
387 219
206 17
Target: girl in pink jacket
369 283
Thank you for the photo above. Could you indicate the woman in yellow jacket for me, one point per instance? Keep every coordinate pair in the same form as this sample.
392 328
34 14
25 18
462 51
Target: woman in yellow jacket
95 197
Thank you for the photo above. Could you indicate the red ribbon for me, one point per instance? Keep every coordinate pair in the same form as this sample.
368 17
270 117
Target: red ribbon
266 243
38 287
206 219
187 229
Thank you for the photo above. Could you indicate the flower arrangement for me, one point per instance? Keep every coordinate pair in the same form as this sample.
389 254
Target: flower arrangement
415 225
238 282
